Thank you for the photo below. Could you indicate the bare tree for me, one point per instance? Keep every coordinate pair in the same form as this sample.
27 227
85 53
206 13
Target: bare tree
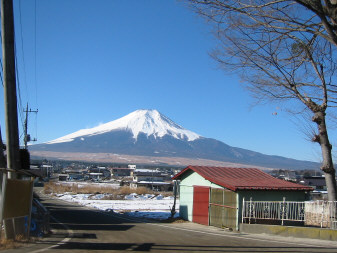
284 51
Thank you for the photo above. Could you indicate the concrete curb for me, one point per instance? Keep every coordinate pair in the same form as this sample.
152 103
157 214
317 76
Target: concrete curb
299 232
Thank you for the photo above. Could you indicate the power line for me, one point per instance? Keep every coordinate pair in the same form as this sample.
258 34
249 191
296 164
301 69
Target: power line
22 50
20 109
35 49
19 81
2 81
1 71
27 136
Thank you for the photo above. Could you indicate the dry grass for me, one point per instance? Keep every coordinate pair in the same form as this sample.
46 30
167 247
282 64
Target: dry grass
113 193
125 190
18 242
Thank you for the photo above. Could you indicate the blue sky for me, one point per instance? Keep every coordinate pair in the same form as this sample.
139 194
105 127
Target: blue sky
86 62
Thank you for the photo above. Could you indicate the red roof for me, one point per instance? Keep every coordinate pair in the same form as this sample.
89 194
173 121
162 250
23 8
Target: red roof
242 179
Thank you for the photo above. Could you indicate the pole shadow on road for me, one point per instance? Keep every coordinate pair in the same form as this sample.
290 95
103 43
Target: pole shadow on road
95 230
180 248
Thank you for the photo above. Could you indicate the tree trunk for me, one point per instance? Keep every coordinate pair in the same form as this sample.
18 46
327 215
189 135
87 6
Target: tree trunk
173 209
327 164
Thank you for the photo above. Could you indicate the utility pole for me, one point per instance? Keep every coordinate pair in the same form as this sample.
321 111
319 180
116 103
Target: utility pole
2 166
11 113
27 136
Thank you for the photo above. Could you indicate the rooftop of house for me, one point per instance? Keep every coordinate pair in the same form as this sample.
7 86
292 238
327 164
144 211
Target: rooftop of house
146 170
242 178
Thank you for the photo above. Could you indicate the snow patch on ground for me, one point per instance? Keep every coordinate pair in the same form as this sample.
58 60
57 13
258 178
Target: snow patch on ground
147 205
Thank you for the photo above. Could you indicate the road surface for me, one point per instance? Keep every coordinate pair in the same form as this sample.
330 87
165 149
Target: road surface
79 229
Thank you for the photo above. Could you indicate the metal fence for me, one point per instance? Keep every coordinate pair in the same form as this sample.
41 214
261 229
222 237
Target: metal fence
40 219
310 213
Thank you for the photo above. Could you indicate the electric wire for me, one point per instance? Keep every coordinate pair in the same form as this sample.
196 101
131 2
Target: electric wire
19 100
35 63
19 83
35 51
1 71
2 81
22 52
18 86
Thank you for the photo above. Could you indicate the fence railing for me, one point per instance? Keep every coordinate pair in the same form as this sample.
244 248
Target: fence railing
41 218
311 213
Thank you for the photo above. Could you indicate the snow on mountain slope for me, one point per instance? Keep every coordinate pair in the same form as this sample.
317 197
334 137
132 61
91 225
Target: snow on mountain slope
149 122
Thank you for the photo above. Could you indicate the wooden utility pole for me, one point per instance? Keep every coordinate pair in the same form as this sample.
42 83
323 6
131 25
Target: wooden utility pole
2 155
11 113
27 136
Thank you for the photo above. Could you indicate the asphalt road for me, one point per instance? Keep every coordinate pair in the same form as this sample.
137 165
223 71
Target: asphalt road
79 229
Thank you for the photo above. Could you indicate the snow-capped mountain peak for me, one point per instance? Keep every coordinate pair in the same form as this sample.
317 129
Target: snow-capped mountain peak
149 122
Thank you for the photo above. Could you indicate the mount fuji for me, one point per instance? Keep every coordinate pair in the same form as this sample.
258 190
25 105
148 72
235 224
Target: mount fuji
149 133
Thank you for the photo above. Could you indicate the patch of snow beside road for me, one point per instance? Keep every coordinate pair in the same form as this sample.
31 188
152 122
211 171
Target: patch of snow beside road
147 205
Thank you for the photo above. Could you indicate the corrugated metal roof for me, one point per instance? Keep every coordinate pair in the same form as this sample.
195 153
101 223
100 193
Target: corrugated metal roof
243 179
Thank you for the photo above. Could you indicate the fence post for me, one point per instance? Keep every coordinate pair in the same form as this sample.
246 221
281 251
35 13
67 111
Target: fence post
283 210
223 208
333 210
250 208
243 209
322 217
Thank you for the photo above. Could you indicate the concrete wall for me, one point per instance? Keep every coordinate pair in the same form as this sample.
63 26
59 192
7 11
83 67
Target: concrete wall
299 232
189 179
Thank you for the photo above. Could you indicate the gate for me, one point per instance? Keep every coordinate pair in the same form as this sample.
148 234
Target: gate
223 208
200 204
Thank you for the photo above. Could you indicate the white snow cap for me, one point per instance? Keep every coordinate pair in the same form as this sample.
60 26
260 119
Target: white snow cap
150 122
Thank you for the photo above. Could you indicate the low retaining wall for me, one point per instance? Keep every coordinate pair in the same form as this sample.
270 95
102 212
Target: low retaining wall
301 232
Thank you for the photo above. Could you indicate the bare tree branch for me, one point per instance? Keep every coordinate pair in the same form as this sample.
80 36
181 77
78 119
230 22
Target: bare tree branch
283 50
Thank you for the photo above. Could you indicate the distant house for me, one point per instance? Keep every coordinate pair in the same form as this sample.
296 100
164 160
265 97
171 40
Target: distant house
63 177
132 166
152 179
46 170
176 171
99 173
214 195
95 176
76 176
318 183
121 172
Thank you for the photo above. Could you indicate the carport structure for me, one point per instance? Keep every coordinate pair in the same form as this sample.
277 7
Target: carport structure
213 195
